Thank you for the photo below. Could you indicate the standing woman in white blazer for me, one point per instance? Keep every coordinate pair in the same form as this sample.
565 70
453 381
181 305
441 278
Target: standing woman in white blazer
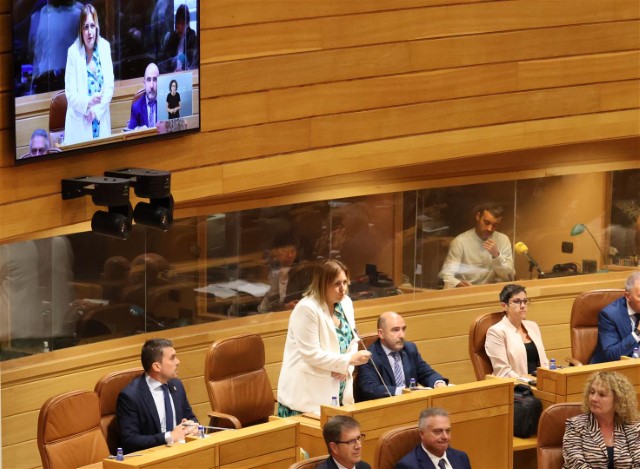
514 345
321 348
88 82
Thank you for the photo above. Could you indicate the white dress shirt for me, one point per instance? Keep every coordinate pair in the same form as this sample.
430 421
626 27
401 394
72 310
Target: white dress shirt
158 398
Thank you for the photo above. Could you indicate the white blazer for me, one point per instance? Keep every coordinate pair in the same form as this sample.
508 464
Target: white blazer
76 128
311 353
506 349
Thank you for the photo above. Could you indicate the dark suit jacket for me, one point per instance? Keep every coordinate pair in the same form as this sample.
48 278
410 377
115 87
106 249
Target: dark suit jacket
418 459
139 115
331 464
413 364
138 418
614 333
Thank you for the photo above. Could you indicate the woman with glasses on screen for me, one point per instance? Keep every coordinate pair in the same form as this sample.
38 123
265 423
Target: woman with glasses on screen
514 345
88 82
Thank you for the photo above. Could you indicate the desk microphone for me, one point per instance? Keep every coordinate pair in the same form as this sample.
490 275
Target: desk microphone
522 248
374 365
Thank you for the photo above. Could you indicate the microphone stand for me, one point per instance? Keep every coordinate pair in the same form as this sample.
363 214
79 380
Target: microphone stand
375 368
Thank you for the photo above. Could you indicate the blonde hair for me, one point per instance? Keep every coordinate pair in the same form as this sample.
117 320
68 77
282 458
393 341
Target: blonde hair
624 395
323 276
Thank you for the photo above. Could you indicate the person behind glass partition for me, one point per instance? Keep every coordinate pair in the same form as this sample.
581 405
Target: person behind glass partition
51 33
321 347
619 325
480 255
144 111
88 82
180 47
173 100
283 255
607 434
514 345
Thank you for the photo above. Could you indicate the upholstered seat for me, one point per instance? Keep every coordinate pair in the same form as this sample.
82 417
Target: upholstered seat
551 432
69 432
393 445
239 390
477 337
310 463
584 322
107 390
57 115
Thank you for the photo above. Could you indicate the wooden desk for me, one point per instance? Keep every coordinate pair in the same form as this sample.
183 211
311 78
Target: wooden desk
567 384
273 444
481 415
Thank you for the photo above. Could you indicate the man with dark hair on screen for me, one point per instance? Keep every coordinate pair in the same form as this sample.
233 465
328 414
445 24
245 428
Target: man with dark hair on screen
153 409
144 111
480 255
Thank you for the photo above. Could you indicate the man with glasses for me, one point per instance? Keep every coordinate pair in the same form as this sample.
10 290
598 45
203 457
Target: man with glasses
344 443
434 450
394 362
480 255
619 324
514 345
39 143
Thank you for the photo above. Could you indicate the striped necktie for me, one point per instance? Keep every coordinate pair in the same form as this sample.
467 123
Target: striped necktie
398 373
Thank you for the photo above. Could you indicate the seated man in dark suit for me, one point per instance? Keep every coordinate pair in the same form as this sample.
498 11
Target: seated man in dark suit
344 443
397 361
618 326
434 451
144 111
153 409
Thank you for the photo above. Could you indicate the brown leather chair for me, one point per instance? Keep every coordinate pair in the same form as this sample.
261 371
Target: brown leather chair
395 444
310 463
477 336
367 340
57 114
551 431
584 322
239 390
69 433
107 390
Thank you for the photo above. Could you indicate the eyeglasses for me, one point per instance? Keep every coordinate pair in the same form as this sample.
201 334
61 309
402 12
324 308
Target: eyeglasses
360 439
520 303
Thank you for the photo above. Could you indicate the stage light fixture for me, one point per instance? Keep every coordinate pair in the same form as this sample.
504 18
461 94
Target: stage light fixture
104 191
154 185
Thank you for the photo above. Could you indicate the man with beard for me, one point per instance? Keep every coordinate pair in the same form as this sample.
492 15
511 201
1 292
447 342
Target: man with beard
397 361
480 255
144 111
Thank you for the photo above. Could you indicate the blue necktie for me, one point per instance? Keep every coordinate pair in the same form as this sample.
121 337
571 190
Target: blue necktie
441 464
168 412
152 114
398 373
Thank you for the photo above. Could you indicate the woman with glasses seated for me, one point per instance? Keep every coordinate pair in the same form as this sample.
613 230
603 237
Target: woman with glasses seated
514 345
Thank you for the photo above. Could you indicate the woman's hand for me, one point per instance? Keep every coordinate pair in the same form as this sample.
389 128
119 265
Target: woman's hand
338 376
96 98
360 358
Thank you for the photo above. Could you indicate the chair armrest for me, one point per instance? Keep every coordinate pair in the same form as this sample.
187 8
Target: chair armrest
230 418
573 362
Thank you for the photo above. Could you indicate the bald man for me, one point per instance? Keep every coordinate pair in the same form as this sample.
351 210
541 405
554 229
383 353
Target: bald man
144 111
397 361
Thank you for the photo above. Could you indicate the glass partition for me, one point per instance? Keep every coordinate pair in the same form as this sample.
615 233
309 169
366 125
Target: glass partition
71 290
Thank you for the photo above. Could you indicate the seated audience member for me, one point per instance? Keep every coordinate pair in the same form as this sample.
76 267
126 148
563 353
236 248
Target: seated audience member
607 435
480 255
144 111
180 48
618 328
397 361
514 345
153 409
39 143
321 348
434 450
283 255
344 443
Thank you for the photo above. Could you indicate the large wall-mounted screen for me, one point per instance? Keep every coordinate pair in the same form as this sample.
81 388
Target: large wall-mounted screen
104 72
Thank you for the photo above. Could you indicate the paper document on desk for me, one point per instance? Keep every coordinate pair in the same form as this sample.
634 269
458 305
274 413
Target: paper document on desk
229 289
